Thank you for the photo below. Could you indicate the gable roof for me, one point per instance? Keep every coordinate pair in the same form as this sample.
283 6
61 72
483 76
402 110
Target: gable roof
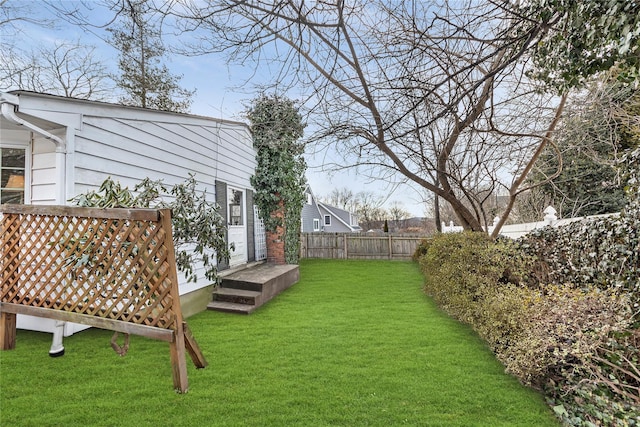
340 215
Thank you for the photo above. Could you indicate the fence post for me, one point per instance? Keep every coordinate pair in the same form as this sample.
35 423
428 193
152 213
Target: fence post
389 237
346 255
550 216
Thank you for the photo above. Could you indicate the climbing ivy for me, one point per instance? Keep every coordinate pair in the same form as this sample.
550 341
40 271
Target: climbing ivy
198 227
276 127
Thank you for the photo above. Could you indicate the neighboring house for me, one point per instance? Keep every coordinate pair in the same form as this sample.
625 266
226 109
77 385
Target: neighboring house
318 216
54 148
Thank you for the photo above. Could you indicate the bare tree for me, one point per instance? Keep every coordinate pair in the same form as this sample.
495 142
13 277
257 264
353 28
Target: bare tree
593 137
433 94
67 69
13 13
342 198
368 207
398 215
397 212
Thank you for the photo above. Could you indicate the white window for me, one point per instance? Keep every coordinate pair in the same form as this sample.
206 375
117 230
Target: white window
327 220
316 224
309 199
12 175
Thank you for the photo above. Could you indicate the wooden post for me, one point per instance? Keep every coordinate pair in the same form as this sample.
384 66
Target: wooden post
7 331
177 346
346 255
179 361
193 348
9 275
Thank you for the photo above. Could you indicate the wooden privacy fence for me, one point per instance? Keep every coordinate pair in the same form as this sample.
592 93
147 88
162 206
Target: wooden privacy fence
109 268
358 246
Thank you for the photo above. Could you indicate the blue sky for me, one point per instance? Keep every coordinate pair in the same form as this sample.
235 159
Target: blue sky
222 91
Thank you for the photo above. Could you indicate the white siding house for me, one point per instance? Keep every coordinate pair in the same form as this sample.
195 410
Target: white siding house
59 147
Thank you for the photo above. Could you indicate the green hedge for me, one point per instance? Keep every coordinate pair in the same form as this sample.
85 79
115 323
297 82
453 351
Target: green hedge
575 342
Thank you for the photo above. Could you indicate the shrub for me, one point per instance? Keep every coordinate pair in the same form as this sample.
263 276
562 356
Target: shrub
560 307
600 252
575 342
421 250
566 349
460 269
198 227
562 330
504 315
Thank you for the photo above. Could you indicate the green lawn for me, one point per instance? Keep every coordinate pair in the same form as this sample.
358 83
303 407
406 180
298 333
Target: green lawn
354 343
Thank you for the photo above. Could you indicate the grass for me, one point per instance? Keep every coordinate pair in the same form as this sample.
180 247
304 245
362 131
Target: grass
354 343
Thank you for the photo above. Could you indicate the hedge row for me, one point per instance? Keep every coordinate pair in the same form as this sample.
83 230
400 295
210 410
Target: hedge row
575 340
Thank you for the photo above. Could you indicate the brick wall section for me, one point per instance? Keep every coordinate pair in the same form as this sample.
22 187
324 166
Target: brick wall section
275 240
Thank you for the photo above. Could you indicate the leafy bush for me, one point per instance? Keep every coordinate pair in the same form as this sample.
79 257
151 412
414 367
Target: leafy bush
562 330
600 252
421 250
198 227
461 268
603 252
575 342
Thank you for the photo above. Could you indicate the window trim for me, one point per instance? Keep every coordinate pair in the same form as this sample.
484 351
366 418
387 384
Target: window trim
316 224
327 223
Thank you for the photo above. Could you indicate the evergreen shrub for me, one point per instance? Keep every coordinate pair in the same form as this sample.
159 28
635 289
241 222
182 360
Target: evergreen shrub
421 249
575 340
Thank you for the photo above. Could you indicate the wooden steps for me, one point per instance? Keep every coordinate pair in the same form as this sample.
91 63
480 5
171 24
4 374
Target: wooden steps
243 291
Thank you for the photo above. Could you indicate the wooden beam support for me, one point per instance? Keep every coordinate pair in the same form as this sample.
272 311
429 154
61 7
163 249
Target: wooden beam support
193 348
7 331
179 362
84 319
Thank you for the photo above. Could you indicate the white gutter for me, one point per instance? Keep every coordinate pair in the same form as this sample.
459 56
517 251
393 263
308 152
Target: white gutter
9 105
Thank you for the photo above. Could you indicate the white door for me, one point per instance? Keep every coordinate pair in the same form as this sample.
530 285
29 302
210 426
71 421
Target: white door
237 227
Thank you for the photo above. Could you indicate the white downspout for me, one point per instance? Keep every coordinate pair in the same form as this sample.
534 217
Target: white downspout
9 104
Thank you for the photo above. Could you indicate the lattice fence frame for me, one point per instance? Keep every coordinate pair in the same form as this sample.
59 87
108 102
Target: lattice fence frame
108 268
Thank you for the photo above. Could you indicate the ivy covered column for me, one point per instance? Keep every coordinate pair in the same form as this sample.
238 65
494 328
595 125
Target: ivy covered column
276 127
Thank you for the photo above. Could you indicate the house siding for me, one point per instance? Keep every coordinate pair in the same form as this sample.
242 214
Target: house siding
336 226
43 172
309 213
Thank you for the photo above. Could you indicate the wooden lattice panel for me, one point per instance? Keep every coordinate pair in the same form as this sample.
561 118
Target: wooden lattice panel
109 268
111 263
